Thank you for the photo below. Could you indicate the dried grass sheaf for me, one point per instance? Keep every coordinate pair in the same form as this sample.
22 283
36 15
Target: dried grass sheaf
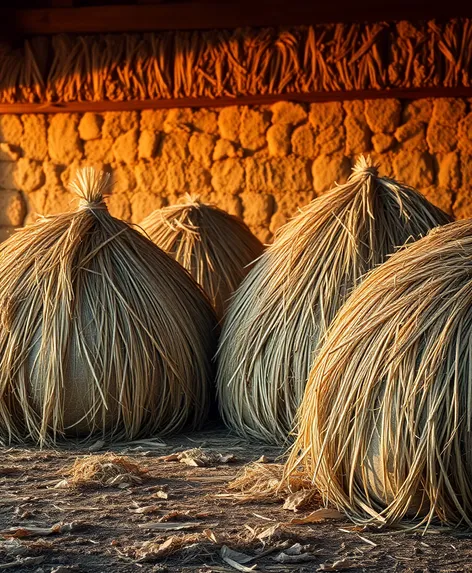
386 421
86 308
286 303
229 63
214 246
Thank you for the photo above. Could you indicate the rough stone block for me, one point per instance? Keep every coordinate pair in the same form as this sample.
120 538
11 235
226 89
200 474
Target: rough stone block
125 148
357 135
303 141
354 107
63 138
8 152
230 203
441 138
201 147
449 172
328 170
151 177
198 179
11 129
290 174
29 175
258 208
99 150
382 115
12 208
153 119
143 204
330 140
465 134
175 145
224 148
326 114
439 196
229 121
7 178
288 113
205 120
148 143
227 176
254 124
116 123
123 180
418 110
90 126
448 111
119 206
178 118
382 142
176 180
414 168
34 140
278 139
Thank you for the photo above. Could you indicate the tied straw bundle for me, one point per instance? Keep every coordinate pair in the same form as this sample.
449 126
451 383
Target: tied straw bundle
87 304
283 308
386 421
214 246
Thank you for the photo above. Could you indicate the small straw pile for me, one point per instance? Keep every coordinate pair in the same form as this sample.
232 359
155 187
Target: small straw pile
386 421
86 308
285 305
104 470
214 246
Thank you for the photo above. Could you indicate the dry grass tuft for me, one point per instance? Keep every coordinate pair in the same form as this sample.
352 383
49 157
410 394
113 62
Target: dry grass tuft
86 307
385 427
285 305
104 471
264 483
214 246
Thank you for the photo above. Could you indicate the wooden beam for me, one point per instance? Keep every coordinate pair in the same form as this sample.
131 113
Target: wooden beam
214 15
136 105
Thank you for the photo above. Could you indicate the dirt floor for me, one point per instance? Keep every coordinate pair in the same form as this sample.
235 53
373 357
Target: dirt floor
180 519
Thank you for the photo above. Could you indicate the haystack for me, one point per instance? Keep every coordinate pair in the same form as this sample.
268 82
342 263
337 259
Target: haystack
285 305
386 421
87 305
214 246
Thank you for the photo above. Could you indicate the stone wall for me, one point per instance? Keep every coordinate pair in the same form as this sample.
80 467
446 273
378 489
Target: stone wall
261 163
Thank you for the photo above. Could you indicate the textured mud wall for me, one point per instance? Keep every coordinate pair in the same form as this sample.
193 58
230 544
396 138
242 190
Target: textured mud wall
261 163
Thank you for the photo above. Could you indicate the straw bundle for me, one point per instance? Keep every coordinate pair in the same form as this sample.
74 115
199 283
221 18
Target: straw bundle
386 421
285 305
86 308
214 246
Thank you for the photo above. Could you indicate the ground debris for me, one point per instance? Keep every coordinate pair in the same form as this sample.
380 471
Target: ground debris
263 482
339 565
317 516
22 562
198 457
236 560
32 531
103 470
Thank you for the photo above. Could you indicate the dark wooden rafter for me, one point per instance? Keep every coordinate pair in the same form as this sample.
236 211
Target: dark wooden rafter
136 105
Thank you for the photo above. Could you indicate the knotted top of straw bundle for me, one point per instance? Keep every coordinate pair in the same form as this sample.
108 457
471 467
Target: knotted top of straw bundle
91 185
365 166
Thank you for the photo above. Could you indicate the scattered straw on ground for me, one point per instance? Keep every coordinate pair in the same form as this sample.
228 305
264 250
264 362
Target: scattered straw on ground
264 482
104 471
